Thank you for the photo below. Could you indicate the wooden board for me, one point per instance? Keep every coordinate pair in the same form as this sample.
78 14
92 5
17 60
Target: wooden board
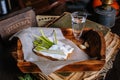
88 65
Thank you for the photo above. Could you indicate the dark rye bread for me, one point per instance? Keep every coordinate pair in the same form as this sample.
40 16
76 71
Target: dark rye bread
41 55
96 42
49 57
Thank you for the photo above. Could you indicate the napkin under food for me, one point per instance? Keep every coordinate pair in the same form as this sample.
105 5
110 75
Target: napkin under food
47 66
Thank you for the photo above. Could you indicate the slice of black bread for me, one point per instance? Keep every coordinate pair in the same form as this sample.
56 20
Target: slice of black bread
96 43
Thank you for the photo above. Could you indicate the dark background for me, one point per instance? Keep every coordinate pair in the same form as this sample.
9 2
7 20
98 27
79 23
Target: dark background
8 68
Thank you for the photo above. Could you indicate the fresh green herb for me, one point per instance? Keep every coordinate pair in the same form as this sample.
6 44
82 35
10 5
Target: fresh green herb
55 38
26 77
42 42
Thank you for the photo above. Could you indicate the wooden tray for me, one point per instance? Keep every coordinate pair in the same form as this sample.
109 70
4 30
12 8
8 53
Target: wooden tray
88 65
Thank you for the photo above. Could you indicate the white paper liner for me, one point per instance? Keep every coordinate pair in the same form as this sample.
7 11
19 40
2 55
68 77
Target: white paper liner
47 66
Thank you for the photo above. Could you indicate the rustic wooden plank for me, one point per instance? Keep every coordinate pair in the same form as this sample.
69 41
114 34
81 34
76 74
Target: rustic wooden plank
88 65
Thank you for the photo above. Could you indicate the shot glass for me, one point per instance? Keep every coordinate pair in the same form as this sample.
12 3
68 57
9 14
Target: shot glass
78 23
